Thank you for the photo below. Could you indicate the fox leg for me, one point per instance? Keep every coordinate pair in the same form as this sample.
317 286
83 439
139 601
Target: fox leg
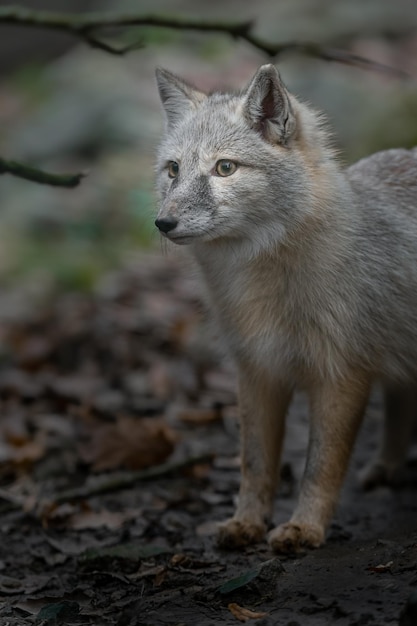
400 413
336 410
263 405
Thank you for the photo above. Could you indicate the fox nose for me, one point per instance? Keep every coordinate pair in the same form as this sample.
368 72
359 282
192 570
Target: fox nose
165 224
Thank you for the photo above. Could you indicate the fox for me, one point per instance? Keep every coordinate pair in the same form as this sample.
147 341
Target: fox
310 271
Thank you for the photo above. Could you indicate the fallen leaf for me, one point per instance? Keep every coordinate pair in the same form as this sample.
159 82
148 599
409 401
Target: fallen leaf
15 429
14 382
132 443
101 519
52 513
148 572
239 581
199 417
22 455
29 584
199 470
9 585
75 388
381 568
160 577
58 613
242 614
76 544
34 351
266 572
189 563
160 380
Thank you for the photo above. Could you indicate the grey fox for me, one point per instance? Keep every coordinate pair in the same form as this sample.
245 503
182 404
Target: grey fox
311 272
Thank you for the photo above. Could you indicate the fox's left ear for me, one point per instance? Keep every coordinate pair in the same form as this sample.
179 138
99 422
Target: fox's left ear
177 96
267 106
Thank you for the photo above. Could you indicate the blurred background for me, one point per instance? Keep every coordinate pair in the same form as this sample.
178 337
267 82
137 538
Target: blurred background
67 107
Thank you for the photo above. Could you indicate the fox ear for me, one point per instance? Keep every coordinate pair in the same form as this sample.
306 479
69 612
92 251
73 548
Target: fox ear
267 106
177 96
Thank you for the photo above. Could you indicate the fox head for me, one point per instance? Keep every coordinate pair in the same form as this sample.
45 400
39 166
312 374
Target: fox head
233 166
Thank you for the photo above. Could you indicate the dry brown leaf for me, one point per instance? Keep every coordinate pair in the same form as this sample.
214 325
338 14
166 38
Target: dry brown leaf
29 453
22 456
179 559
15 429
130 442
34 351
182 329
52 513
199 470
189 564
160 380
80 516
199 416
242 614
160 577
148 572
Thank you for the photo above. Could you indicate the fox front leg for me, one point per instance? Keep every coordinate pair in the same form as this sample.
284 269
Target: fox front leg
263 406
336 410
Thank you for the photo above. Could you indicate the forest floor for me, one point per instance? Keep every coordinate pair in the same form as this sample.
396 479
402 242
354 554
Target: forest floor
119 453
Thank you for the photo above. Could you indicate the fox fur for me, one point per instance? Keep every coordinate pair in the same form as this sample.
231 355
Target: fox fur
311 273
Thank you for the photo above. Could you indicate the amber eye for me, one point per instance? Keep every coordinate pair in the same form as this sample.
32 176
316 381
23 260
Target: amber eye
173 169
225 167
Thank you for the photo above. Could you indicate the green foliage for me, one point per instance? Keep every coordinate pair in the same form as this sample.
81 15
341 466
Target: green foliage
239 581
58 613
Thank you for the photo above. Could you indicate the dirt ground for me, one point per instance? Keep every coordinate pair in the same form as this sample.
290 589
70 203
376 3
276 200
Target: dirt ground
118 453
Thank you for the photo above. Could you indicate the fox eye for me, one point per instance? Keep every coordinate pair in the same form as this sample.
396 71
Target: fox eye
173 169
224 167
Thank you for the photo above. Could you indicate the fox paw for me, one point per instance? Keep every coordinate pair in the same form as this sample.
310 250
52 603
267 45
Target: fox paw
377 473
291 538
235 534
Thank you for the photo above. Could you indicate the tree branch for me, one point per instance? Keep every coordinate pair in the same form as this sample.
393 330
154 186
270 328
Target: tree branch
86 26
39 176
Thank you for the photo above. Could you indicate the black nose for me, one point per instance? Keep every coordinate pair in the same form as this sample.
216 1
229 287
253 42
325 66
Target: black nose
165 224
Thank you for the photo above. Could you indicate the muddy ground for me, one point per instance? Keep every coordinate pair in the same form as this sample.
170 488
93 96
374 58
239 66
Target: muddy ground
118 453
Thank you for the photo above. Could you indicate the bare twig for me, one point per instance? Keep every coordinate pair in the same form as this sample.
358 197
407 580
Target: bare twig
39 176
106 484
123 480
87 26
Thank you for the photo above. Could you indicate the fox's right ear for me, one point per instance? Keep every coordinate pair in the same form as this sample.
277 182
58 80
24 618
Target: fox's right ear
177 96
